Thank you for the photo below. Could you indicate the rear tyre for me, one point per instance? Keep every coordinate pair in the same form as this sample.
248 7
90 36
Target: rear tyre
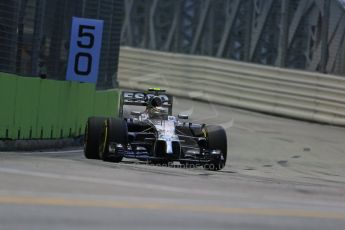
216 139
92 136
114 131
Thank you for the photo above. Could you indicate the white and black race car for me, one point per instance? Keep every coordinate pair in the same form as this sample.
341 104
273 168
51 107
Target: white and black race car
154 135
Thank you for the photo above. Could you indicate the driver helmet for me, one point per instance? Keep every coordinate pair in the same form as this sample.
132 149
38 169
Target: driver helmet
155 107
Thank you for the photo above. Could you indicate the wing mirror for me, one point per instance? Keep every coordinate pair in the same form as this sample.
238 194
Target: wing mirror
183 116
136 113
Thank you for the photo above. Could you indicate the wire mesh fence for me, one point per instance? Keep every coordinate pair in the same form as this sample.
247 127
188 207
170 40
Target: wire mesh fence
8 34
34 36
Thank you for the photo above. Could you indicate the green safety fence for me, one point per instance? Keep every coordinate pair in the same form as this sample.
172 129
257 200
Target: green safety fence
34 108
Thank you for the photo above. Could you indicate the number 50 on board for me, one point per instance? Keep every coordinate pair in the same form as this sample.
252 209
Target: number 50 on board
85 49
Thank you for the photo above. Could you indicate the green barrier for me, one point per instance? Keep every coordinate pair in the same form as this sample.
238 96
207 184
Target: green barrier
8 85
32 108
26 106
67 104
85 107
49 111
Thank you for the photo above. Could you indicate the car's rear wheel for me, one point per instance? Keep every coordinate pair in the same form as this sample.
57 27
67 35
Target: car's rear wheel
93 130
216 140
114 131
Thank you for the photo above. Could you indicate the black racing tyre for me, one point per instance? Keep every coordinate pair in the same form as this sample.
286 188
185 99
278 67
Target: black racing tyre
114 130
217 140
93 130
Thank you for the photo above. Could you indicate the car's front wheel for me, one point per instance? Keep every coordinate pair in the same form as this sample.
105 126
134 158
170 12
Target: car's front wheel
114 131
93 130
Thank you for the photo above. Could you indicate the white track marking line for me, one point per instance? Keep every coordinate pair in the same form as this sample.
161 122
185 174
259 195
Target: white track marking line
113 182
62 151
43 152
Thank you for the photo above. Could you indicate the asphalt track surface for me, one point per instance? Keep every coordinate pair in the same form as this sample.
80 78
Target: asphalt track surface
280 174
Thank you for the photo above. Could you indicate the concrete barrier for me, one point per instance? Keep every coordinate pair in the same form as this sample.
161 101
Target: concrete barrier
298 94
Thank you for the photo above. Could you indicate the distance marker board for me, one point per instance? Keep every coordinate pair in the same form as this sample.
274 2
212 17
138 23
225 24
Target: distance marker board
84 50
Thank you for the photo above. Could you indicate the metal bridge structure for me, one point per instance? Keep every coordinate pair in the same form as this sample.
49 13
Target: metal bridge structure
299 34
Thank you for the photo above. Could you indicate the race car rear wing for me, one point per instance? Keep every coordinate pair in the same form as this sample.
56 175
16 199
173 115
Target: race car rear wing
142 98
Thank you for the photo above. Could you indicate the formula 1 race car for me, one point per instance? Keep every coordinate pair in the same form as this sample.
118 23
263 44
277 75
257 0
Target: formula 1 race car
154 135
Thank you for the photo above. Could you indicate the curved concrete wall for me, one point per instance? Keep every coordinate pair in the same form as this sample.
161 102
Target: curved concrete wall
303 95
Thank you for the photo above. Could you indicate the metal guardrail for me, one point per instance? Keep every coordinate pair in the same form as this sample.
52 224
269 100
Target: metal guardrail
298 94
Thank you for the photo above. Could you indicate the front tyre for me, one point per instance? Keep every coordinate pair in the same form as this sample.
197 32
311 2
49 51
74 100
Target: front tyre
114 131
93 130
216 140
